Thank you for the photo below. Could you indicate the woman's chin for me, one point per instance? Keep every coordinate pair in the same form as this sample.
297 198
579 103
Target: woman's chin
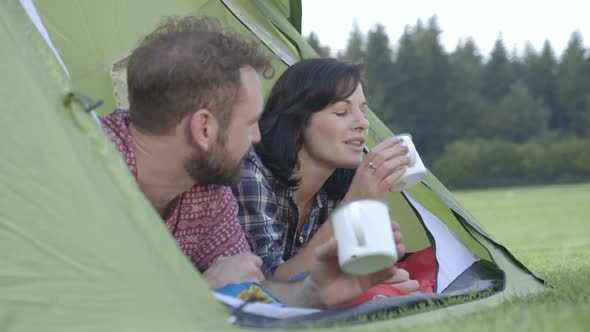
351 163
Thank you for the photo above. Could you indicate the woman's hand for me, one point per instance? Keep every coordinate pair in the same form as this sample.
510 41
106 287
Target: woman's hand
401 280
381 168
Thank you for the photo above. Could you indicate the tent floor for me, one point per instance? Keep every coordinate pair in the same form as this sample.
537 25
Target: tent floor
480 280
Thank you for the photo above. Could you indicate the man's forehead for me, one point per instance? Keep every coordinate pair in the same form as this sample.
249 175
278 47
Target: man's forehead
250 82
249 98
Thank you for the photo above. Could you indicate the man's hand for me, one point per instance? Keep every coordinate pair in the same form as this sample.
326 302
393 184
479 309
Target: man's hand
327 286
334 287
234 269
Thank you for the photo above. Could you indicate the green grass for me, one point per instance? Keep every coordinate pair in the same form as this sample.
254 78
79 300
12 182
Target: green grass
546 228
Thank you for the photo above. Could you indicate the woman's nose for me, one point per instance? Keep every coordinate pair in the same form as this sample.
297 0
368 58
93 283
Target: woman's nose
362 123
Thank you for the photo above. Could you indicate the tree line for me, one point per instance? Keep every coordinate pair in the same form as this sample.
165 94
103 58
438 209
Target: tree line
503 120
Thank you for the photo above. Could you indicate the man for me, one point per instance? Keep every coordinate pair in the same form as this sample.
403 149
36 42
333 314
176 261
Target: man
195 100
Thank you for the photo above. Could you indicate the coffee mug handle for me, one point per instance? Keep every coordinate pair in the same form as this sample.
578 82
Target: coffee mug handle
359 234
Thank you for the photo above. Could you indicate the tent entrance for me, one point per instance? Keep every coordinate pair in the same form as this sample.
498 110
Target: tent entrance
461 277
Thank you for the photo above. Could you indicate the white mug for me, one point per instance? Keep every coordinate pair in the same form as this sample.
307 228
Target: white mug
415 171
365 237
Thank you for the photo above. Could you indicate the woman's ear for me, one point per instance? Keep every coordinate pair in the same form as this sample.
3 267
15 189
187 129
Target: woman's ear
204 129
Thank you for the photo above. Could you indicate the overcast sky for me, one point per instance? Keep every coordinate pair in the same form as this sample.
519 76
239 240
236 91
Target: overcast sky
518 21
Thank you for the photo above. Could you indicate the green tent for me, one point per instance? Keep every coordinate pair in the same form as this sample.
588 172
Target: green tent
81 249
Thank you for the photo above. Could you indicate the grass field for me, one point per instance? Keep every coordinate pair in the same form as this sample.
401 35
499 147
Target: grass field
548 229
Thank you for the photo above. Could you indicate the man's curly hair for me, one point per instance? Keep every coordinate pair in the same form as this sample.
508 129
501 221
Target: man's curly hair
186 64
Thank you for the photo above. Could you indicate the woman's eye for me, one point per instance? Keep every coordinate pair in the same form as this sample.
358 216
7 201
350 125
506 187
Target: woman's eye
340 113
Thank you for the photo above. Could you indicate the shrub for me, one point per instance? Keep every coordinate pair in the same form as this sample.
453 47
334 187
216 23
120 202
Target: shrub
492 163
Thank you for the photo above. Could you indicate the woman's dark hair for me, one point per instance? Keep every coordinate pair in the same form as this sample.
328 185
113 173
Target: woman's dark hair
306 87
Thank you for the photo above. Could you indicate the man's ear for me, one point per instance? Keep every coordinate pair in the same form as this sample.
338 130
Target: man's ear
204 128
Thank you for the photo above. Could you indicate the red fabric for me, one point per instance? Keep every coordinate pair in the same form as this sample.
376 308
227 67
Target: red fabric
203 220
376 292
420 265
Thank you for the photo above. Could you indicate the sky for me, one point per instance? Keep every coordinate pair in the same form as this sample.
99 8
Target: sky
517 21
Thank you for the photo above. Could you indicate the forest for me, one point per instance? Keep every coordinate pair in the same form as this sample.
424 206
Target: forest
502 119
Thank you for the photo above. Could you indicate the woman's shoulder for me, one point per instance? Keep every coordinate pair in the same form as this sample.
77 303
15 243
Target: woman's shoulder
255 174
253 164
252 158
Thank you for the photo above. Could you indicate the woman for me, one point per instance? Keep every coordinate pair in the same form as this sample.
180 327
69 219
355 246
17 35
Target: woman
309 160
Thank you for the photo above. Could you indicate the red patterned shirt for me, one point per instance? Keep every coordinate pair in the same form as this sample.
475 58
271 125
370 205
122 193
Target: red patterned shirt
203 220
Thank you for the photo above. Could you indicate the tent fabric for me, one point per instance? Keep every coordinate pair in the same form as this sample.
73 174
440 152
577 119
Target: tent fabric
81 248
91 36
31 11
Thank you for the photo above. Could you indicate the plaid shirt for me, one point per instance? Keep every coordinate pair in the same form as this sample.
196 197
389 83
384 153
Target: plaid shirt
269 214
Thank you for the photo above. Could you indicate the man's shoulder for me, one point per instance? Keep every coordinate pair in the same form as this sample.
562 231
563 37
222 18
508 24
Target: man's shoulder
209 190
116 121
210 194
202 203
116 127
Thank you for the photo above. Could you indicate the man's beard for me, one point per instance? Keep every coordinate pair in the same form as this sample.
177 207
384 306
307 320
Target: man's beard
213 168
